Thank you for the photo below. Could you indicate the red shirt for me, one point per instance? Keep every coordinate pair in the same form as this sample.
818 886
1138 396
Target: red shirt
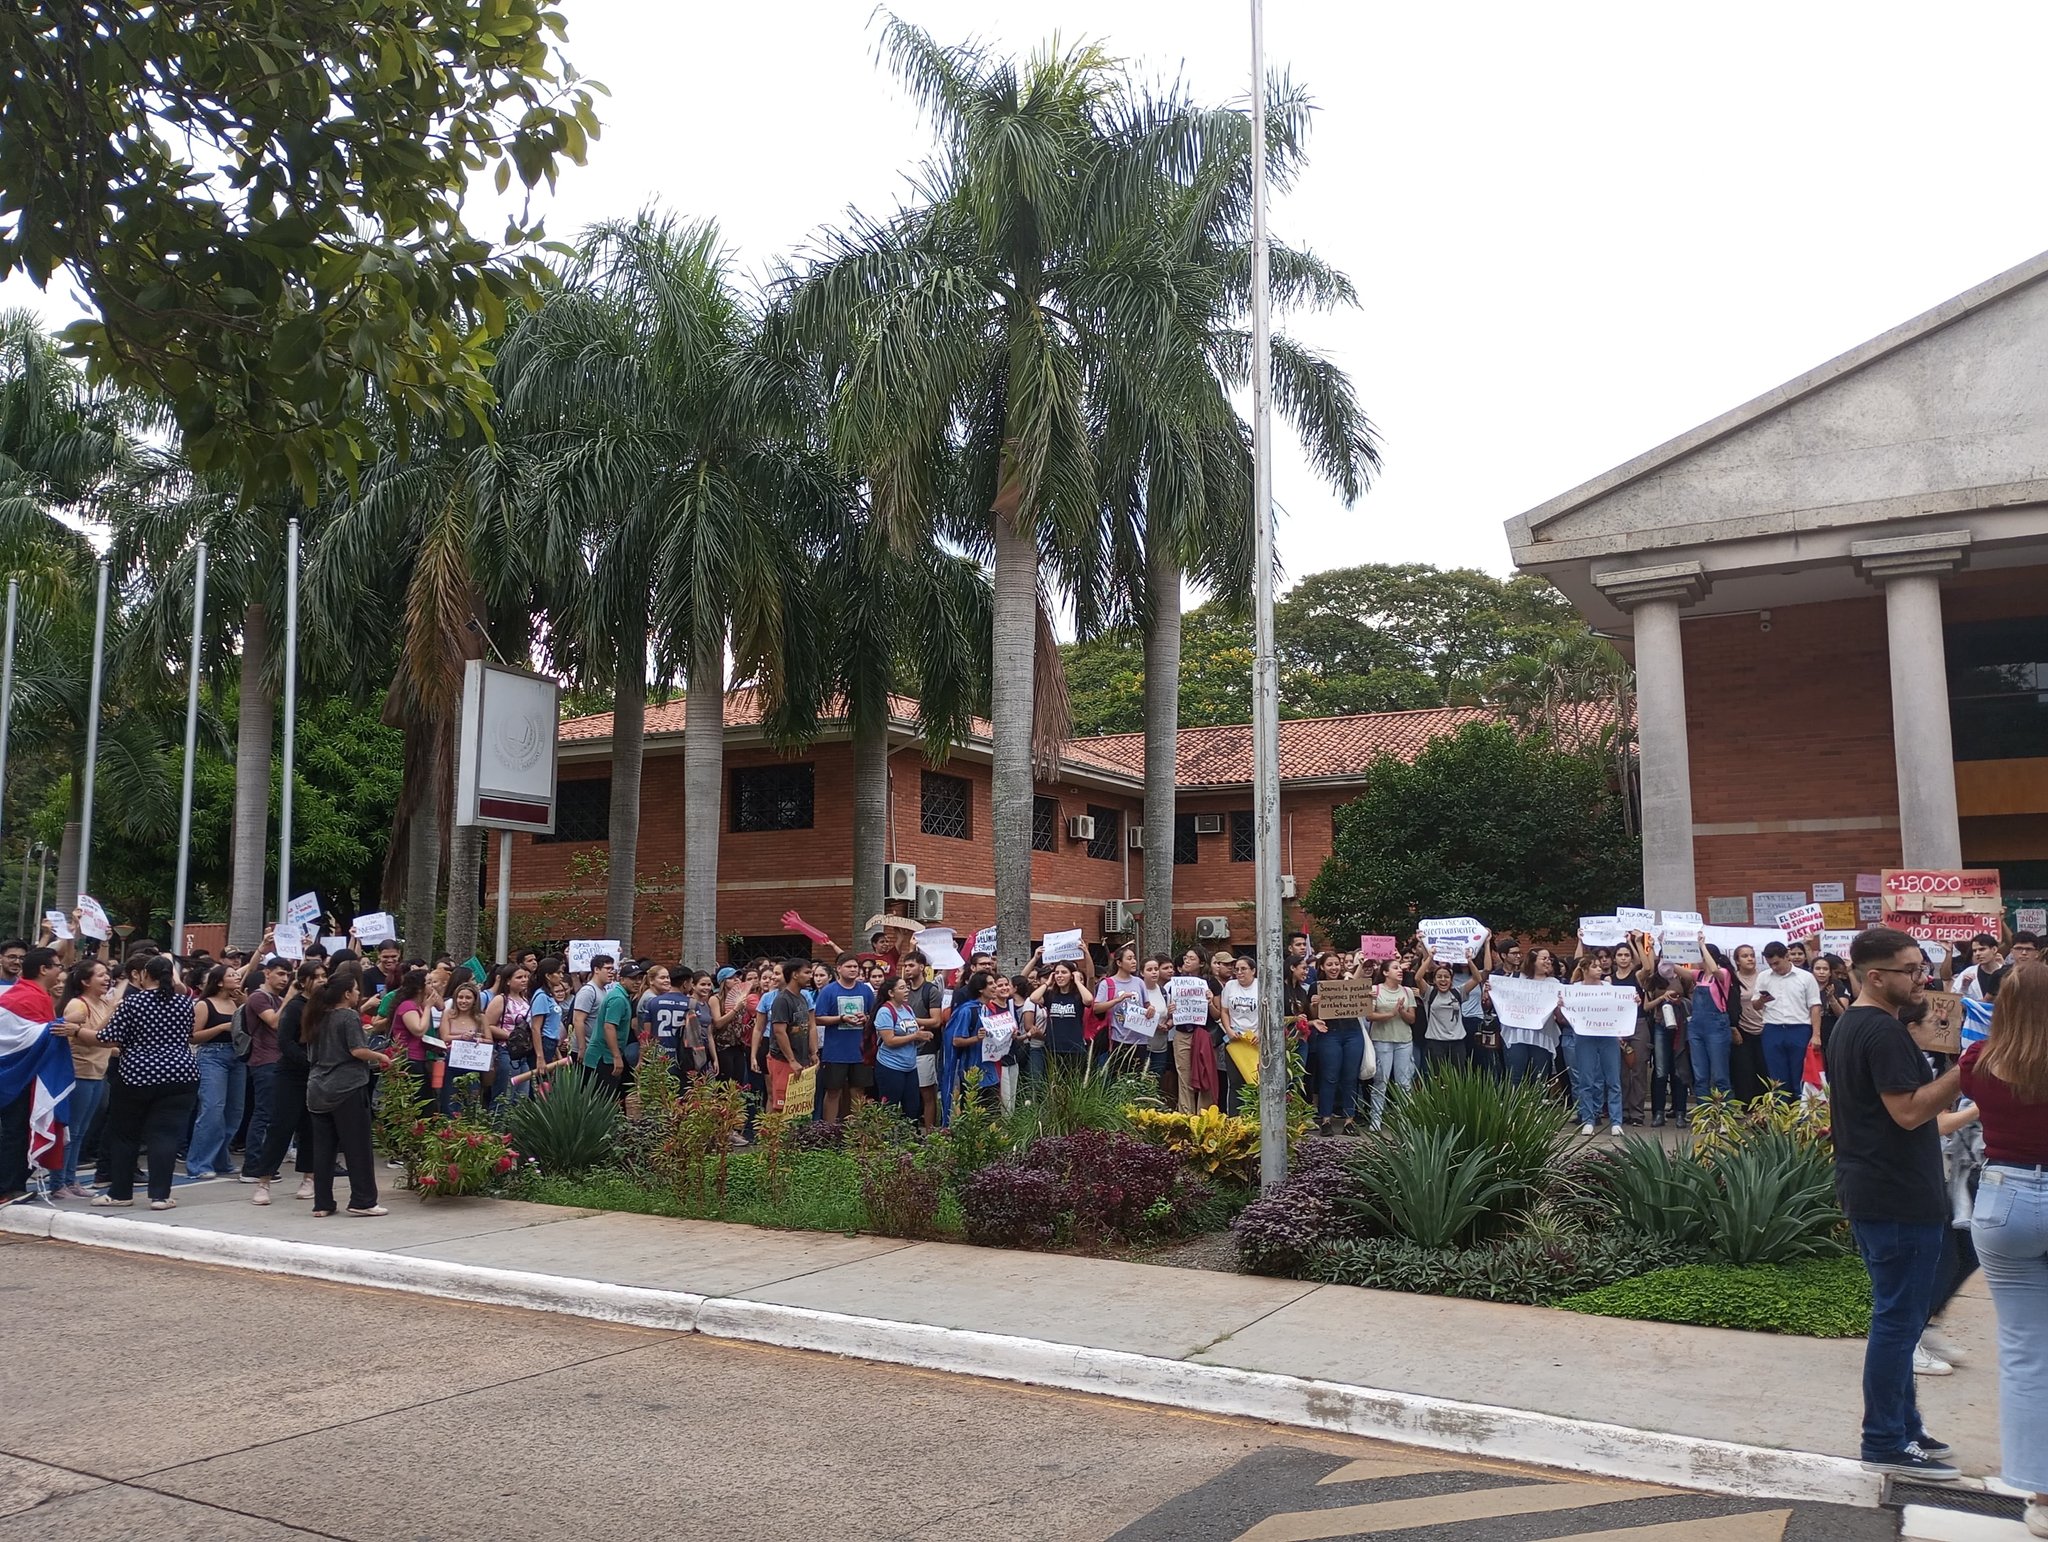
2014 1132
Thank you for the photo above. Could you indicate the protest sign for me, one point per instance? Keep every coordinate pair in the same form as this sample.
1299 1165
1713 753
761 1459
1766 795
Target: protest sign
1942 1029
1870 883
302 909
60 928
1837 943
2030 918
1343 998
1729 938
1684 918
1766 903
288 941
470 1055
1602 931
1451 939
1682 945
1839 914
333 945
1947 905
1378 947
1520 1003
939 948
984 941
1601 1011
1635 918
1823 892
92 918
584 950
1062 947
376 926
1728 910
1189 995
1803 921
1869 909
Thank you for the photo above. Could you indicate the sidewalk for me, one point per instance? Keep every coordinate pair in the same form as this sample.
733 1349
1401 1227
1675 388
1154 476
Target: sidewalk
1750 1414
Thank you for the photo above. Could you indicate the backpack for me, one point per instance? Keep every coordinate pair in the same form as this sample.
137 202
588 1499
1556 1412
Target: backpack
239 1034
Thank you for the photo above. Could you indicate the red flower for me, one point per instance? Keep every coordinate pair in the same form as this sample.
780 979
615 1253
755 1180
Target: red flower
504 1164
475 1141
454 1173
419 1128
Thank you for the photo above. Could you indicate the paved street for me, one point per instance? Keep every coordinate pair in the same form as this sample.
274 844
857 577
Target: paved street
167 1399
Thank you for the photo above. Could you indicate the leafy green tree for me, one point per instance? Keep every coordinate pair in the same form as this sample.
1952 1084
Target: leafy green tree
1106 675
1490 823
263 200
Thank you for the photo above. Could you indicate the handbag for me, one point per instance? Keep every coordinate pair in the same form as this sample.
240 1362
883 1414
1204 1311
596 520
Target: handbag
1369 1062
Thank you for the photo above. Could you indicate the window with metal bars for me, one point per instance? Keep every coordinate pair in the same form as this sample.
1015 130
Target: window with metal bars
1187 849
1045 823
583 810
773 798
1108 844
945 806
1244 835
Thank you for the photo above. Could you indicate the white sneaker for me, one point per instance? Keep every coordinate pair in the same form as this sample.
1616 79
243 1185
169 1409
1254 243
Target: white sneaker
1614 1130
2037 1519
261 1196
1936 1343
305 1188
1585 1129
1925 1364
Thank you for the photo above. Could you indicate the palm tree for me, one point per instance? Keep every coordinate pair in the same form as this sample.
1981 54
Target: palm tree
668 451
973 322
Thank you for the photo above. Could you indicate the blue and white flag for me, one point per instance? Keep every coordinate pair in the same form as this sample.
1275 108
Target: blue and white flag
1976 1022
30 1055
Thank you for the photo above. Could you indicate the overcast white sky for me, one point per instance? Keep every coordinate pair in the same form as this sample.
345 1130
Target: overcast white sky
1576 229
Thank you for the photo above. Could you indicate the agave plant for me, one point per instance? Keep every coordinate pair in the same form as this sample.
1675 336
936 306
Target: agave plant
1416 1184
1517 1129
1772 1201
1654 1189
567 1125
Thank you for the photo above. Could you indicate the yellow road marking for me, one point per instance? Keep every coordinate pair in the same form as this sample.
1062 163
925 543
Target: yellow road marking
1438 1509
1369 1467
1756 1526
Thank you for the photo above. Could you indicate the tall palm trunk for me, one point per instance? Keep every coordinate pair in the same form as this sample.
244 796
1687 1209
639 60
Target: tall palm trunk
870 821
1162 735
629 745
255 719
703 786
68 850
423 853
1012 701
465 859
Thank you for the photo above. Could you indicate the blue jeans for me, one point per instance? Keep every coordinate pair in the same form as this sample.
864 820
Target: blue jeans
262 1098
1708 1042
220 1109
1393 1065
1598 1076
1785 1055
2010 1228
899 1090
1338 1057
87 1099
1529 1063
1905 1261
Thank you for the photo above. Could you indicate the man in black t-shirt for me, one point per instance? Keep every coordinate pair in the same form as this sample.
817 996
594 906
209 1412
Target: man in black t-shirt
1883 1098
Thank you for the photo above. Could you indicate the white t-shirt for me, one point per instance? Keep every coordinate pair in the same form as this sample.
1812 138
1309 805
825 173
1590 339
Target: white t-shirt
1130 1023
1241 1008
1793 996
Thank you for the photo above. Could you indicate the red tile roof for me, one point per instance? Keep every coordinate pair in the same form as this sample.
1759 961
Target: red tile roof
743 709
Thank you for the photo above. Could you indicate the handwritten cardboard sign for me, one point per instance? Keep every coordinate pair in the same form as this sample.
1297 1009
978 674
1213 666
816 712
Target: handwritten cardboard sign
1343 998
1601 1011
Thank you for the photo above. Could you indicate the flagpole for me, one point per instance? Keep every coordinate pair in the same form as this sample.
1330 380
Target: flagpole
191 749
1273 1086
7 706
92 731
291 713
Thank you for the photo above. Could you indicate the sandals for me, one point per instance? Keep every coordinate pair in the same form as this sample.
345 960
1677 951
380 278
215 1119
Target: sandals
108 1202
321 1215
163 1204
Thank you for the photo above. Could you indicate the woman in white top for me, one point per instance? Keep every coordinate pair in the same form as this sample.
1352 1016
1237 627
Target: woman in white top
1443 1015
1390 1022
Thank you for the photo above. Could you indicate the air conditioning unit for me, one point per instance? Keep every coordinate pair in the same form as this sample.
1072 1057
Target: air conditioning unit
899 881
1287 886
1208 824
1137 837
931 903
1081 827
1120 916
1212 928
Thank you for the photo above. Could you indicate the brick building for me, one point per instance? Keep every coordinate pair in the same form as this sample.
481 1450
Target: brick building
786 826
1836 597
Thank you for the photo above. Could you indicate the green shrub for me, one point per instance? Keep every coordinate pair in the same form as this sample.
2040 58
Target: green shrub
567 1125
1416 1184
1772 1201
1819 1298
1654 1189
1529 1270
1069 1099
1518 1129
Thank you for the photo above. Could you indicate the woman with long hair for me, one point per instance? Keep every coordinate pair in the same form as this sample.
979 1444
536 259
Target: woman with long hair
1745 1045
509 1018
2007 1077
1061 1004
1531 1053
1599 1057
1709 1025
1392 1025
156 1087
462 1022
1340 1052
87 1007
289 1120
220 1073
1837 993
338 1092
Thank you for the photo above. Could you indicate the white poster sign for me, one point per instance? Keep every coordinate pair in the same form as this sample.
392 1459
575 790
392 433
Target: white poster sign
470 1055
60 927
92 918
1828 893
1729 938
1635 918
287 941
1685 918
302 910
1601 1011
2032 918
1602 931
984 941
1452 939
1803 921
333 945
939 948
583 950
1728 910
1837 943
1870 908
375 927
1062 947
1772 902
1683 945
1520 1003
1189 995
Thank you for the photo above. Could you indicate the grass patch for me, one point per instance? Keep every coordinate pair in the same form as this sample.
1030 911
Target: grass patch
1827 1298
820 1192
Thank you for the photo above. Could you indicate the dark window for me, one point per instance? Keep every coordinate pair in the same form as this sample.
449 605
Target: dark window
1187 848
772 797
1045 823
743 950
1108 844
1244 835
945 806
583 810
1998 689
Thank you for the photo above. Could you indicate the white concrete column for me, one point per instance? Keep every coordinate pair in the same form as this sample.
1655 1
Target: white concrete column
1910 568
1654 596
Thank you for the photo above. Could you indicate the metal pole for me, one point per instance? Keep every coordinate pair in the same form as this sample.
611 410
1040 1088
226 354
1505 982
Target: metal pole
191 750
291 713
504 896
42 874
7 711
1265 671
92 729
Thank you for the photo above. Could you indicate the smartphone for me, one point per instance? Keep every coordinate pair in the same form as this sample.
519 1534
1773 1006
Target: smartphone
1762 997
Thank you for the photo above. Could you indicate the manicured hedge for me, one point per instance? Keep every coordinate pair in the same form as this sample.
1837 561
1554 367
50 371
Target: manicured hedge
1820 1298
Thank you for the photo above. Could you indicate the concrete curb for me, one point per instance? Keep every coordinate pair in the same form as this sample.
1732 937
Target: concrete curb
1438 1424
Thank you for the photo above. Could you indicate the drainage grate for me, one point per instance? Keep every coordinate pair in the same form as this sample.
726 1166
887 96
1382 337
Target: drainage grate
1900 1492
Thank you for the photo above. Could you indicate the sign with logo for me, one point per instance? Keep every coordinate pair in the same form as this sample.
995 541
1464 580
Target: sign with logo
1453 939
505 752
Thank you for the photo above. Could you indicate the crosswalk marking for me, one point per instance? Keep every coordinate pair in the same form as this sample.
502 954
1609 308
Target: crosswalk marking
1435 1510
1755 1526
1366 1468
